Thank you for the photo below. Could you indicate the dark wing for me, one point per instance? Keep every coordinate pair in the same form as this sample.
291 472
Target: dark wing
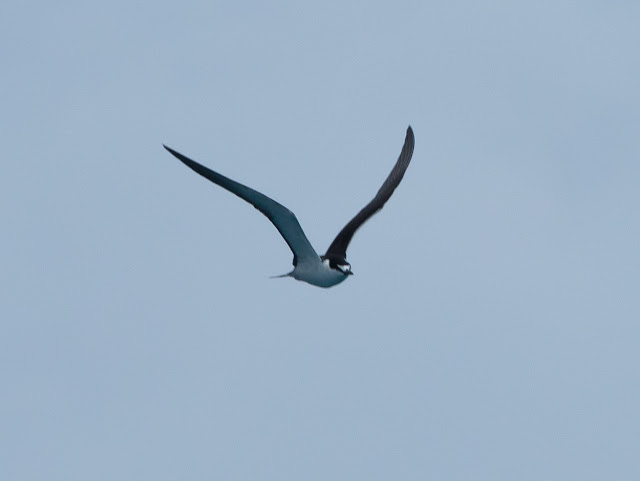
338 248
284 220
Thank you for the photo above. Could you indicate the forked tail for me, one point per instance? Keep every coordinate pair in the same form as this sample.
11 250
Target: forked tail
289 274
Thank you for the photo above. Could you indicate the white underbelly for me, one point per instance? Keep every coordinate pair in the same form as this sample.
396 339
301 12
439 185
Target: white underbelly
319 275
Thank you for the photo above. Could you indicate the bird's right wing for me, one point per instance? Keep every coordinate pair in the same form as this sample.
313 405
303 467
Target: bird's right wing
281 217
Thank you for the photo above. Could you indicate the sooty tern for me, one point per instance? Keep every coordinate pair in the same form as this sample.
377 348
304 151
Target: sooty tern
331 268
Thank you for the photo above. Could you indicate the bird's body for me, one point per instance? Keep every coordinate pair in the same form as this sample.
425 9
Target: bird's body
318 273
331 268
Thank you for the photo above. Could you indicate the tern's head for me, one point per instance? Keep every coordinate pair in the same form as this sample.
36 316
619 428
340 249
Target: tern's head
339 265
345 268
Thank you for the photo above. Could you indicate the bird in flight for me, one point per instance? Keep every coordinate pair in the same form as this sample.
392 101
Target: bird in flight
331 268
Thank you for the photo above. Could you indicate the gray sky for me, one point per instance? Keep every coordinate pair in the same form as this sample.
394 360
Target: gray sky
491 329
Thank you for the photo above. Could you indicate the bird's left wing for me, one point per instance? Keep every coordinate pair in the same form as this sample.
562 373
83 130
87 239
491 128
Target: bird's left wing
338 248
281 217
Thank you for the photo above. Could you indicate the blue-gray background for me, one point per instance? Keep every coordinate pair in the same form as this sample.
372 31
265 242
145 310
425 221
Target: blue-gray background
491 329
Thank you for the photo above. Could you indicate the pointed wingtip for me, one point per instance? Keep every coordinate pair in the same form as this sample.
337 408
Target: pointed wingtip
178 155
168 148
410 137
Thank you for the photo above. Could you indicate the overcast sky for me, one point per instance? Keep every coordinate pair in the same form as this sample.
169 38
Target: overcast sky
490 331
